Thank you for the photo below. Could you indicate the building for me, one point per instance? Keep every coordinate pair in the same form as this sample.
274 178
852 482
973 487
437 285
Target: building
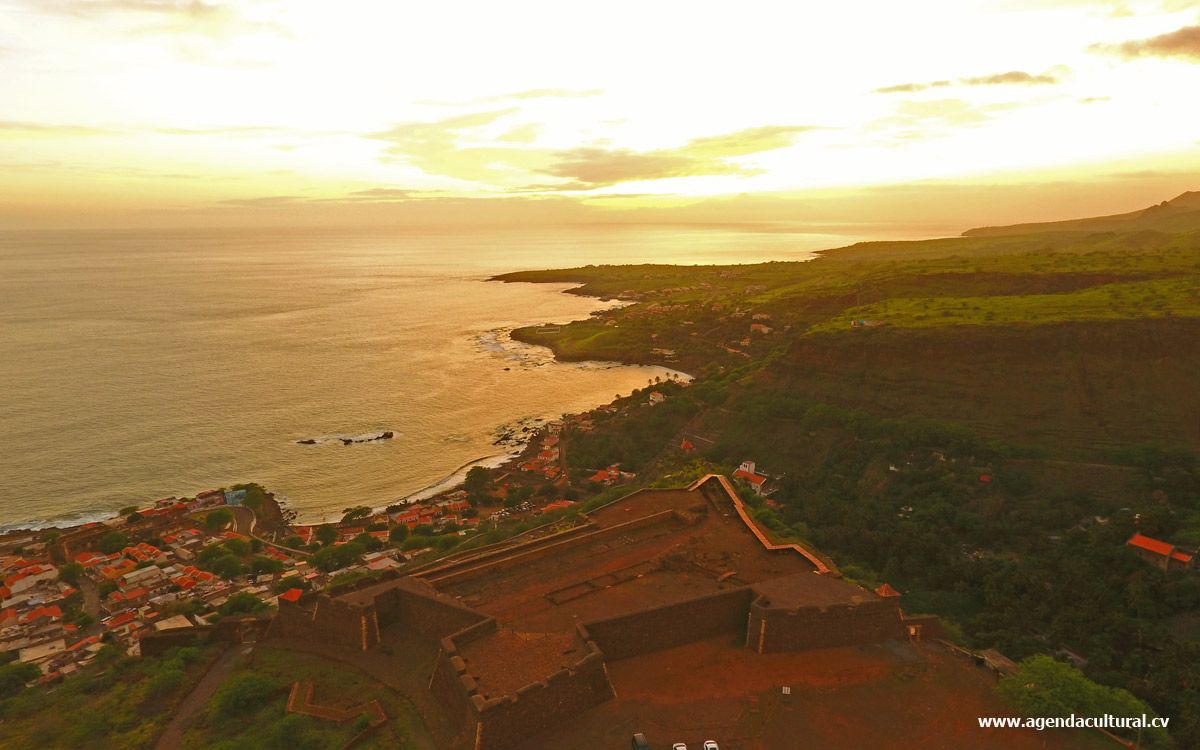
751 474
1160 554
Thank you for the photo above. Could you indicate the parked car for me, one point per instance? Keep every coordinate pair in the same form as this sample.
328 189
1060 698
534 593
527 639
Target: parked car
639 742
679 746
711 745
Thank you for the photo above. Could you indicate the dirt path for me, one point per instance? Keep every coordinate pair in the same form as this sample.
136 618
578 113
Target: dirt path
196 700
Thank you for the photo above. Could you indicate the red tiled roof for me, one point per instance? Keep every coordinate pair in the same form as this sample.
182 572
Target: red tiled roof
1182 557
52 612
291 595
1152 545
754 479
886 590
118 620
84 643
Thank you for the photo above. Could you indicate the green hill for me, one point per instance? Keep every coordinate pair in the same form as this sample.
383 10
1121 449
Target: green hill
979 421
1181 214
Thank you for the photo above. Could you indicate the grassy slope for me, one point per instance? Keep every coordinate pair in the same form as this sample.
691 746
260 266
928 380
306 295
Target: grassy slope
1101 323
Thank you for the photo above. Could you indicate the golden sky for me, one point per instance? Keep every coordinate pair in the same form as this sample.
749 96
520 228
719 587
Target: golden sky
204 112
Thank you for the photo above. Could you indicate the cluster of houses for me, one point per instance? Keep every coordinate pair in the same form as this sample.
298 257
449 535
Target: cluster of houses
33 603
117 596
546 462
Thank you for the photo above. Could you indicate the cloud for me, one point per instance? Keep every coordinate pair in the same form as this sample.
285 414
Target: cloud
550 94
194 17
526 133
526 94
1012 77
21 129
462 147
911 87
591 167
1184 43
459 147
266 201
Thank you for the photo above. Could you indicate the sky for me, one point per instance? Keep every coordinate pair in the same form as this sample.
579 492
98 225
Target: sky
295 112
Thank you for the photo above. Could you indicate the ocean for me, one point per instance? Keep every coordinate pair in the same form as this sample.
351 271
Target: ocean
136 365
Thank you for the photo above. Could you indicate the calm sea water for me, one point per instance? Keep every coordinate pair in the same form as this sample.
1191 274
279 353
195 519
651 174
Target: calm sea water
139 365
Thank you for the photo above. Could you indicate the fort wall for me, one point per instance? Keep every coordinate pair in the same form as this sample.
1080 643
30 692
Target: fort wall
333 620
513 558
506 721
777 629
670 625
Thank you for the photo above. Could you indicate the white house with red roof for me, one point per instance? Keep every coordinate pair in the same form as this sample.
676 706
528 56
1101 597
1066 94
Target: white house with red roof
756 479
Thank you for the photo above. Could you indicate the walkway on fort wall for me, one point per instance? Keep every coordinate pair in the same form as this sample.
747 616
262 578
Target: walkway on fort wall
821 566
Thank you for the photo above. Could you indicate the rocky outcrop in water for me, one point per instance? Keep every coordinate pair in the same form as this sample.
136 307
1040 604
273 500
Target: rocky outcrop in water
368 438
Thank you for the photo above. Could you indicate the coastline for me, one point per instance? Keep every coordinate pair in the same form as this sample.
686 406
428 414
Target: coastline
514 437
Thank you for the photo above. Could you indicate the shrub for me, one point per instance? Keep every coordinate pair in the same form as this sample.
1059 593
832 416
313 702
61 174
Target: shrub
243 694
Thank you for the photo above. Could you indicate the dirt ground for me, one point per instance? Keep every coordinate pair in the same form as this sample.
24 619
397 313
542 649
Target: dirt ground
879 697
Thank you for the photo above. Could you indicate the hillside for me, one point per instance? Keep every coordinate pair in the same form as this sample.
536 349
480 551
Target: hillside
981 422
1181 214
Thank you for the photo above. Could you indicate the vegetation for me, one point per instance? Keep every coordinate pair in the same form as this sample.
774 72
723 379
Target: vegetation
988 449
118 701
337 557
114 541
256 495
218 519
249 709
1044 687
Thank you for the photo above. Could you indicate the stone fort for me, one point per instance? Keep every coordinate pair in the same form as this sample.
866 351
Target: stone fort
524 628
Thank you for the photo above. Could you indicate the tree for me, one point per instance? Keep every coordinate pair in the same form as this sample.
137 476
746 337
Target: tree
239 547
398 534
14 676
356 513
1043 686
70 572
368 542
295 542
263 564
242 603
244 693
256 495
218 519
113 541
326 533
478 480
227 566
330 559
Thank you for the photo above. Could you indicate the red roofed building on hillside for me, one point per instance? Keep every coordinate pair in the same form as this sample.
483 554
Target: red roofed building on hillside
292 595
750 473
1160 554
885 590
687 446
